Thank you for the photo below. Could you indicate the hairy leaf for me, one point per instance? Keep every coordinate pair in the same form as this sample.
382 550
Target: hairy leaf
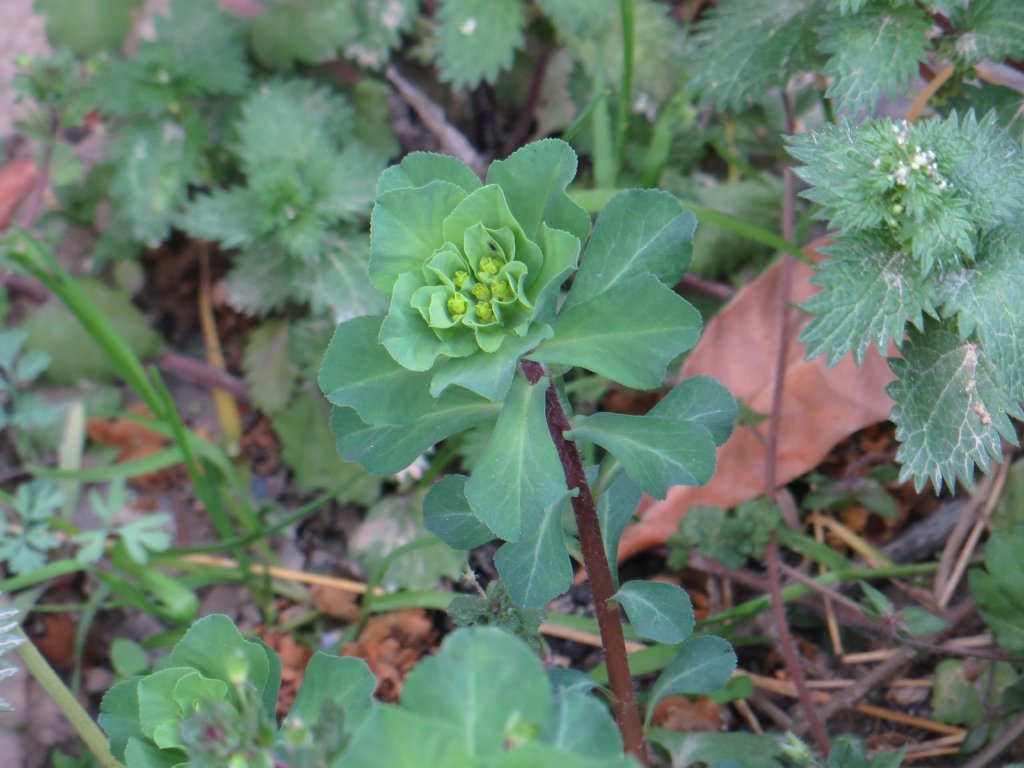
995 30
868 295
952 408
269 370
874 51
476 39
747 47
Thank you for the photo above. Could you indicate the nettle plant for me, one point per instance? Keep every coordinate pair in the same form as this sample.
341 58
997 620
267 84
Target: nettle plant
477 333
929 256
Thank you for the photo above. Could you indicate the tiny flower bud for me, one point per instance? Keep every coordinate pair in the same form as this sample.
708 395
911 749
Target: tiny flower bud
481 292
461 276
490 265
457 306
501 291
237 667
483 311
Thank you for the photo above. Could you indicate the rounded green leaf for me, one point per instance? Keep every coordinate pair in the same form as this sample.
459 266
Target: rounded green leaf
536 568
704 664
658 611
447 514
703 400
342 679
418 169
482 681
629 333
657 453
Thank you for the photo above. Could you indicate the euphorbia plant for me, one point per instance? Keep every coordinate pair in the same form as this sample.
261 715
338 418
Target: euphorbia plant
478 331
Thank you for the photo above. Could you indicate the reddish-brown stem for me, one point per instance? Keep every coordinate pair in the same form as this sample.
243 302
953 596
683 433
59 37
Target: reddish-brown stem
786 643
627 716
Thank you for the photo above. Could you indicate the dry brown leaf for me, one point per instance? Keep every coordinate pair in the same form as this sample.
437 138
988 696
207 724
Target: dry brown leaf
391 645
677 713
16 179
820 407
336 603
294 658
135 441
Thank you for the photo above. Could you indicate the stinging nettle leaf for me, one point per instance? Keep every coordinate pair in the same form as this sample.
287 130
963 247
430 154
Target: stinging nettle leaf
875 51
476 39
629 333
519 474
657 453
867 295
704 664
638 232
657 611
951 410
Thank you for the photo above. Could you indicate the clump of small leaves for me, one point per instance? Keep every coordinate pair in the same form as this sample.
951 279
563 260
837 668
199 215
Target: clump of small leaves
929 256
139 537
730 537
495 608
26 534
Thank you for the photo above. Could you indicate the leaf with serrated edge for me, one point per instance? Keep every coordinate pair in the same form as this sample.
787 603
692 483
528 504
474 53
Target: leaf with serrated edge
657 453
269 371
476 39
867 295
519 472
657 611
629 333
639 231
704 664
875 51
951 408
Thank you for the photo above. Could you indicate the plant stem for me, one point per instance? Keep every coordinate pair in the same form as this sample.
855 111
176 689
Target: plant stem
73 711
599 572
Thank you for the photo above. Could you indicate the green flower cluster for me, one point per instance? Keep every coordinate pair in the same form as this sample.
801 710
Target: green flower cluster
468 267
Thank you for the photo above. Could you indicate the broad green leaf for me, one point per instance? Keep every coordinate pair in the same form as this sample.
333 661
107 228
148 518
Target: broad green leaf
359 373
158 709
657 611
388 449
75 355
483 681
119 715
307 448
638 231
398 738
629 333
873 52
391 523
269 370
534 179
536 754
447 514
342 679
867 296
988 300
536 568
704 664
285 33
405 229
519 473
476 39
951 408
964 690
144 754
703 400
87 26
615 507
582 726
418 169
657 453
748 47
995 31
214 642
999 589
710 748
489 375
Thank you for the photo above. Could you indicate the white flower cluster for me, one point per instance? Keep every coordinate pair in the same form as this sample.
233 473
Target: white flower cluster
920 160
